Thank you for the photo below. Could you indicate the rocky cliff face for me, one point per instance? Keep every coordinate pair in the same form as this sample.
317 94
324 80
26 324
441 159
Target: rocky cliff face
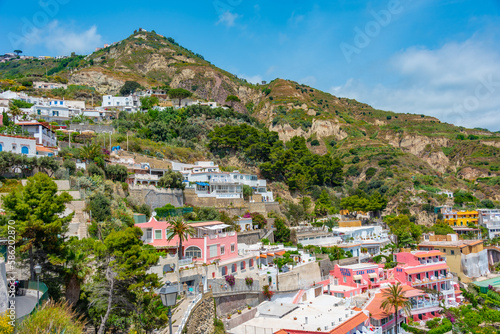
426 148
322 129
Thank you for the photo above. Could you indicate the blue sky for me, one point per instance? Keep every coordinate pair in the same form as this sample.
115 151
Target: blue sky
439 58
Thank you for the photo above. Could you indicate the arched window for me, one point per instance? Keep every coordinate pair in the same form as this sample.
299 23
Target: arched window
242 265
193 251
251 263
224 271
1 147
235 268
25 150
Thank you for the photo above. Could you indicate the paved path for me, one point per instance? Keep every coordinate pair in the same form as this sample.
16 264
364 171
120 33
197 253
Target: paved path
24 305
177 315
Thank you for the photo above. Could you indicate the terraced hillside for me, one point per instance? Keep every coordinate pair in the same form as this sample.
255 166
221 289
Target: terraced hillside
407 157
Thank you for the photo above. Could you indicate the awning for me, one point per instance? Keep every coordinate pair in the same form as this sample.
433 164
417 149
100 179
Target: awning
263 255
373 275
357 277
204 184
281 253
216 227
270 254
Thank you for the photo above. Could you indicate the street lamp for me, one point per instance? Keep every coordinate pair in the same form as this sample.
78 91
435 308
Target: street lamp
168 294
38 271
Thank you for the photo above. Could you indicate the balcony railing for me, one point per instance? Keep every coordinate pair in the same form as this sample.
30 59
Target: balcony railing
185 261
425 304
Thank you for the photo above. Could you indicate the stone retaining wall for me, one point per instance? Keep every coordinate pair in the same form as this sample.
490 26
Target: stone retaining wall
201 319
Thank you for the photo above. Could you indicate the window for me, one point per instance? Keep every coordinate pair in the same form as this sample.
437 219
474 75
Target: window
213 250
224 271
149 234
234 268
157 234
14 147
25 150
345 280
242 265
251 263
452 252
222 250
232 248
193 251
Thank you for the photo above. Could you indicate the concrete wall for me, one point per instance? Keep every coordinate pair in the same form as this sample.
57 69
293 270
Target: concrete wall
325 265
234 206
157 198
201 319
250 237
228 304
308 272
93 127
238 319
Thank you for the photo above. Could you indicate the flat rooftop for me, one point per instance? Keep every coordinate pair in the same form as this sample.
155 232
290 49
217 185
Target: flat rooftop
456 243
360 266
325 312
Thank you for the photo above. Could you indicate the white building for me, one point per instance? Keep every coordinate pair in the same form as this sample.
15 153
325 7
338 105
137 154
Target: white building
43 133
127 103
18 144
490 218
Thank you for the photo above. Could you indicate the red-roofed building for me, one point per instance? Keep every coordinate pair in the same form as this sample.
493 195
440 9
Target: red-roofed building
43 132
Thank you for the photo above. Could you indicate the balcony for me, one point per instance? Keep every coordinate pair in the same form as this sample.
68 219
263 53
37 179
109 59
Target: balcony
424 304
185 261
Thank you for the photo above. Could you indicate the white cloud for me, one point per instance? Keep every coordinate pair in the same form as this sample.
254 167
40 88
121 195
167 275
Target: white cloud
227 18
458 83
63 39
253 79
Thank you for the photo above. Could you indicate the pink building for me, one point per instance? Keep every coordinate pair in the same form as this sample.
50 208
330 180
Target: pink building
427 270
351 280
210 242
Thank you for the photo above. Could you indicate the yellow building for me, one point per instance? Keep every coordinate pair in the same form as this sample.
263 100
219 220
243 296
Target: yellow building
461 218
466 258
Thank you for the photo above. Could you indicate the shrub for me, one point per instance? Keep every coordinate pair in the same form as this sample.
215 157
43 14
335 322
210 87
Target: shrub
315 142
248 281
5 326
266 291
93 169
230 280
53 318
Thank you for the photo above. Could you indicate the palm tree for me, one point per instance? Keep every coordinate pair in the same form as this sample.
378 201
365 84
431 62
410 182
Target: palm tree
394 299
90 152
178 227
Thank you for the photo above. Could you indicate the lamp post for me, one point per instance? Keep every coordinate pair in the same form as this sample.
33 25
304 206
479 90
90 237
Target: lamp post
38 271
168 294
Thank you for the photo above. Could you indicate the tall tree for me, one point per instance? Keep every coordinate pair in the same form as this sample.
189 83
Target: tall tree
18 52
121 263
181 229
129 87
394 300
179 93
171 179
232 99
40 227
